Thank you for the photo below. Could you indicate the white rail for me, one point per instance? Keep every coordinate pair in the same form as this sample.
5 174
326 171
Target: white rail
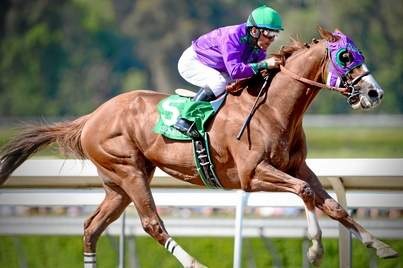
196 227
356 174
356 182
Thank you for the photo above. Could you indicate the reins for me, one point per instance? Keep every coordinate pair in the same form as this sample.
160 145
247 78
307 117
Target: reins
349 90
304 80
293 75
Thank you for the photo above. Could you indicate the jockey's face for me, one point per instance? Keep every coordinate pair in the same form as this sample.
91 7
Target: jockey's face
265 37
263 42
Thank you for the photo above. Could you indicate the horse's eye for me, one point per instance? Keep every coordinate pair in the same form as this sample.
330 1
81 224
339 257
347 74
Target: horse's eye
345 58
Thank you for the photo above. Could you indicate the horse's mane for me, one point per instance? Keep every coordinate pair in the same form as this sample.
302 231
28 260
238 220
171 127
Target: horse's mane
284 53
287 50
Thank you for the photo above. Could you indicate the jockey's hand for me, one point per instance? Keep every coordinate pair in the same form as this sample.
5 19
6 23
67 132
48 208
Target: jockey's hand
273 62
264 72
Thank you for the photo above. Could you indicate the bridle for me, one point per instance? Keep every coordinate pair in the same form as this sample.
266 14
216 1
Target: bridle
353 91
349 89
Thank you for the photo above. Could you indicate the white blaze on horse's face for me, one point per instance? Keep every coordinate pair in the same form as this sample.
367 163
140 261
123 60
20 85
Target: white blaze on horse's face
370 92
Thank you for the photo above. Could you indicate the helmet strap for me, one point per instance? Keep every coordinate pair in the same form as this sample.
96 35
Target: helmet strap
254 36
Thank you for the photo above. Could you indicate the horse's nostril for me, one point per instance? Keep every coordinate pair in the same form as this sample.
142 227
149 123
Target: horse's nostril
381 95
373 93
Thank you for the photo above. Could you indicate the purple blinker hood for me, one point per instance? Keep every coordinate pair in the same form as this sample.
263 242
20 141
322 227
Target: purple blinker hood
337 69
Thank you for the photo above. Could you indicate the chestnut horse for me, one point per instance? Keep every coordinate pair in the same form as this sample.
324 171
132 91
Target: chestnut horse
270 156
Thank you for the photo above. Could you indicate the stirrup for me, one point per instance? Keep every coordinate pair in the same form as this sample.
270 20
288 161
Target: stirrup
188 128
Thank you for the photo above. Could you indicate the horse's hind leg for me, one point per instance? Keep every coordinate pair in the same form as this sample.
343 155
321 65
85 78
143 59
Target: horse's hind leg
136 184
333 209
115 202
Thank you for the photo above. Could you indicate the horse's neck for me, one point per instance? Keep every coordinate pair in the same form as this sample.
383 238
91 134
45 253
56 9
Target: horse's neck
291 98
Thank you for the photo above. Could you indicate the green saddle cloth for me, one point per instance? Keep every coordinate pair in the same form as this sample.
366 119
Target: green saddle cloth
174 107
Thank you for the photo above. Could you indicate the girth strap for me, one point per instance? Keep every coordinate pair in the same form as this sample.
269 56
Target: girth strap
204 165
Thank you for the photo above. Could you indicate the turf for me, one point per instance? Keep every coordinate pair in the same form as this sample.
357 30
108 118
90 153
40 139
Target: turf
66 251
355 142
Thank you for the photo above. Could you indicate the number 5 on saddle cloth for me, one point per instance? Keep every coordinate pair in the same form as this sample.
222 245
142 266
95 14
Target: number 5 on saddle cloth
199 112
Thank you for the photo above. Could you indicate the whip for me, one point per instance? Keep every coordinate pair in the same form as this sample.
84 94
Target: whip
252 111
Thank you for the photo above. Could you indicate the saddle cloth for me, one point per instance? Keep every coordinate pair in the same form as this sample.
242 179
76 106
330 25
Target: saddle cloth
175 106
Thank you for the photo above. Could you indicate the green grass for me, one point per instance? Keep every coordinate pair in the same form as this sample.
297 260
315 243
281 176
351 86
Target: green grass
354 142
66 251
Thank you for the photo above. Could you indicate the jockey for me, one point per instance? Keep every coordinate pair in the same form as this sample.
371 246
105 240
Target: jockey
228 53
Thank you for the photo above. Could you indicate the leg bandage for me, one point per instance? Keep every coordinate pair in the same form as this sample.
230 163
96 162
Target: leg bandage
90 260
183 257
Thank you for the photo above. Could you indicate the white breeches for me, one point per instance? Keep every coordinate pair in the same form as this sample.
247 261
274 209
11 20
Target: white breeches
198 74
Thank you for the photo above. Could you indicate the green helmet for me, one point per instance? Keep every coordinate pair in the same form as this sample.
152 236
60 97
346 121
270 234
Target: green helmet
265 17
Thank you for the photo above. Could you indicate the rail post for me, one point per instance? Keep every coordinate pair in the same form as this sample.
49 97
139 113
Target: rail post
344 234
239 209
122 241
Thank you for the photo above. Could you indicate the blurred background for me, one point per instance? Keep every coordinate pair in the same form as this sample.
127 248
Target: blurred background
62 58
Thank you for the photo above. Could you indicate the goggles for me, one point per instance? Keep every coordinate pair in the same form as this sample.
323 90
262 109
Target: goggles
270 34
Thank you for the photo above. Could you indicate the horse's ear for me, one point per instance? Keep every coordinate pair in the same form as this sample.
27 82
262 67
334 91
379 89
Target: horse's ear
327 35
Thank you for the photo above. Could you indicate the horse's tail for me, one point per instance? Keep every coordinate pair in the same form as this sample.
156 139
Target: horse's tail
33 138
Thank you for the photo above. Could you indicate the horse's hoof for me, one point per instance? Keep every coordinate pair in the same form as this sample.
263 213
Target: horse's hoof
386 253
196 264
315 256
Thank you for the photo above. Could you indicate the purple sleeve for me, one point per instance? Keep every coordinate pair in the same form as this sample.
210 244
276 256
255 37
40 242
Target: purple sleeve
261 56
231 52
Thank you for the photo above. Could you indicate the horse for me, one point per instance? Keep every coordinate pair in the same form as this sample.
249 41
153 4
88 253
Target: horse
271 155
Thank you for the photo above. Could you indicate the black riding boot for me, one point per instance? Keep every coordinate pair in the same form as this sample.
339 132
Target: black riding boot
188 127
204 94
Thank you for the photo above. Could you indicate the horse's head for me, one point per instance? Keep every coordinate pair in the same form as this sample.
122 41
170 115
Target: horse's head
347 68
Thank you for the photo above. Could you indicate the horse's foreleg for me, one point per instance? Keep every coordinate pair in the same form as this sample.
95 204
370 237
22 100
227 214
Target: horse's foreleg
110 209
334 210
267 178
315 252
139 191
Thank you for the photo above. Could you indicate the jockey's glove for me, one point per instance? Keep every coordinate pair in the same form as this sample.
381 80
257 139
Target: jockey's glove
270 63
